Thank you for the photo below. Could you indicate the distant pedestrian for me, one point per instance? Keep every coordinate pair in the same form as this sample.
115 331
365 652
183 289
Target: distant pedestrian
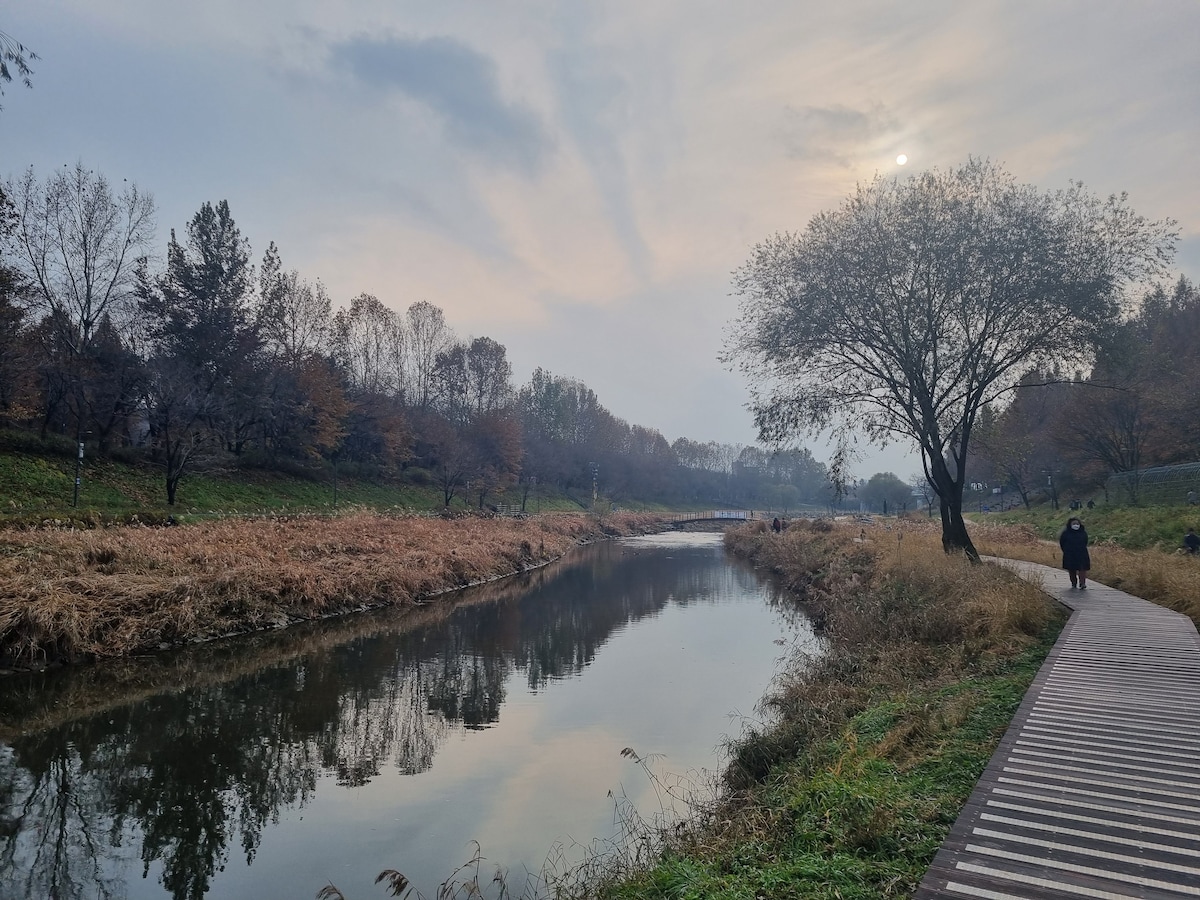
1191 498
776 526
1191 541
1091 504
1074 544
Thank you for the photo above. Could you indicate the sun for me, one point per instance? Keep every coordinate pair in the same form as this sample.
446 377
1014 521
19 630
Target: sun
901 159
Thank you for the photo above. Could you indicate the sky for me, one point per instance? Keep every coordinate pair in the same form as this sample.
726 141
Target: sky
578 181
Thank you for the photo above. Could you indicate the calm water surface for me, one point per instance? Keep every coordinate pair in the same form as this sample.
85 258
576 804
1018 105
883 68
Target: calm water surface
270 766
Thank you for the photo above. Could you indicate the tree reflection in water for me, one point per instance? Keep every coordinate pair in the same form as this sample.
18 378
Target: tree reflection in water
182 755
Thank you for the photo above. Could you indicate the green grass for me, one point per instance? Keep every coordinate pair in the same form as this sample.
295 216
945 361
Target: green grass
862 814
37 483
43 484
1132 527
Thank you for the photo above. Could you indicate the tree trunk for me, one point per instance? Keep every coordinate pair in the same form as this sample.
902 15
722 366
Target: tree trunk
954 528
954 532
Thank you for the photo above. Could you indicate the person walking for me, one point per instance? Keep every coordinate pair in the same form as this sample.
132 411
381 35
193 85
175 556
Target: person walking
1074 544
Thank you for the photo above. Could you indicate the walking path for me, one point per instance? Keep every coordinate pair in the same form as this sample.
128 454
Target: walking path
1095 789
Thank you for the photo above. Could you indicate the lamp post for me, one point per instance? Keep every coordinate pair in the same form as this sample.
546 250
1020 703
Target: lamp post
80 438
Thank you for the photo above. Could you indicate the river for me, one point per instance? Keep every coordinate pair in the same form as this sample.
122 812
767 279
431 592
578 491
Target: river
272 765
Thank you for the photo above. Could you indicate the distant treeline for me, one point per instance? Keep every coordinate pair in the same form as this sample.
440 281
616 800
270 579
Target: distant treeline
1064 433
209 360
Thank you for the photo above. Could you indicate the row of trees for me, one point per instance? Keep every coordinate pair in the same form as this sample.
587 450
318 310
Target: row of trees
208 359
1136 408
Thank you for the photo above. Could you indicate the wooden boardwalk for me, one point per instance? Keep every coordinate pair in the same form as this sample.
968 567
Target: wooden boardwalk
1095 789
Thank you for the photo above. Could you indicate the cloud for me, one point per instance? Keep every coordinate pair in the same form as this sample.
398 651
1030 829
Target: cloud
460 86
833 133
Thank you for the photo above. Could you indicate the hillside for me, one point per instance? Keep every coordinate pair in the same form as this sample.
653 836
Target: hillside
1131 527
37 484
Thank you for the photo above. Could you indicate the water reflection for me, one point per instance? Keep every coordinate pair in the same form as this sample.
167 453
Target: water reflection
165 768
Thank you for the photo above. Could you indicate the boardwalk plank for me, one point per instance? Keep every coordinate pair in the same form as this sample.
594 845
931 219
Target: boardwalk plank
1094 791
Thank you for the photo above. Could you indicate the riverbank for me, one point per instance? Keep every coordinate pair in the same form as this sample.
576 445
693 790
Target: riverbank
70 596
872 748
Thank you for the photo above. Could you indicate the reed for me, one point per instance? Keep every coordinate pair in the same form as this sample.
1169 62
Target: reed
68 595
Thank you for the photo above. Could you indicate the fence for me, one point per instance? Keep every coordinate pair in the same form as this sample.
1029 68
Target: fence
1159 486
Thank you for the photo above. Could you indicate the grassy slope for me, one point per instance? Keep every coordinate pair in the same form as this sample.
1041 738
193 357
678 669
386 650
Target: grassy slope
37 481
861 814
1131 527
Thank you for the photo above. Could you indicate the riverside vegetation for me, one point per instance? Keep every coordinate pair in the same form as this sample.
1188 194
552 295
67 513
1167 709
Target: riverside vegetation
255 549
69 595
872 749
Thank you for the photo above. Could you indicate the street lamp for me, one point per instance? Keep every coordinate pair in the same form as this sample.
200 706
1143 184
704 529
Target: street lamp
1050 488
78 465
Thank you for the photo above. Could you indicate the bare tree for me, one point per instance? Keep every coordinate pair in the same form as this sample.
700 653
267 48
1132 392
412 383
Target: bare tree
428 336
368 341
295 315
79 244
922 488
450 383
1111 425
179 409
489 377
471 381
904 311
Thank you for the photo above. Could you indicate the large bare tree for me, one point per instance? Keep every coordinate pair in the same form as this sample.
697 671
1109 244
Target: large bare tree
904 311
79 243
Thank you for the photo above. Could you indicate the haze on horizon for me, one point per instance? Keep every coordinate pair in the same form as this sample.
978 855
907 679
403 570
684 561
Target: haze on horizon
578 182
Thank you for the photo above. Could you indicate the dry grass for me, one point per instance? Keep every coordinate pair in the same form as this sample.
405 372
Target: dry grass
895 610
1170 579
71 595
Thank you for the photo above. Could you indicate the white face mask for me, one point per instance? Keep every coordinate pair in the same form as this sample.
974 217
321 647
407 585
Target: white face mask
1074 526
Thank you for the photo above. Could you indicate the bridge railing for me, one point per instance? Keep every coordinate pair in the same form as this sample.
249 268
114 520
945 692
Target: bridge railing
732 515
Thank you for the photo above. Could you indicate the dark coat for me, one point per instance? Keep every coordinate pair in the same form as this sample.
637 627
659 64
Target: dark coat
1074 546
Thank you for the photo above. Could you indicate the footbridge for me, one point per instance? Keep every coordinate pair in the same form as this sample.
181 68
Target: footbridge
714 515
